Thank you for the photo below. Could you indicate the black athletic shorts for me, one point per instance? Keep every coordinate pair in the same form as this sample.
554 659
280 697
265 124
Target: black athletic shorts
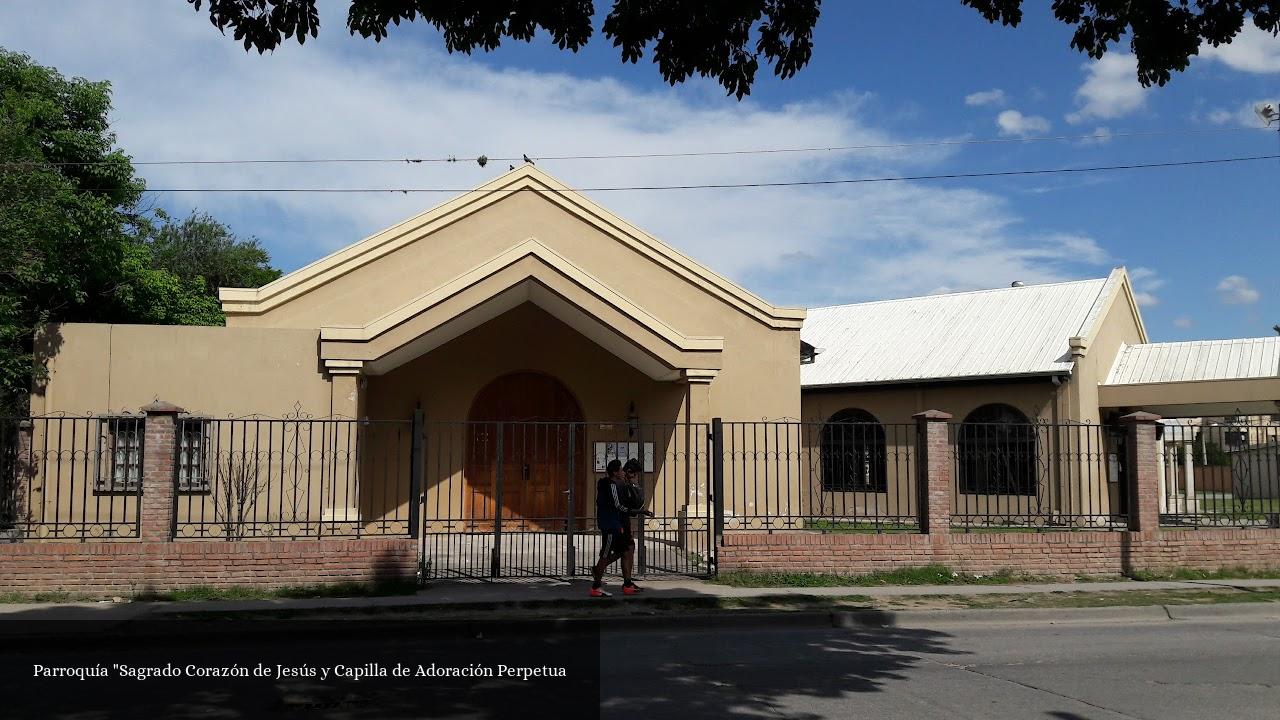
612 541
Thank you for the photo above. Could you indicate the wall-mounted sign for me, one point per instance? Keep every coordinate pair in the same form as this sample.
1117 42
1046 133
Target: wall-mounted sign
624 451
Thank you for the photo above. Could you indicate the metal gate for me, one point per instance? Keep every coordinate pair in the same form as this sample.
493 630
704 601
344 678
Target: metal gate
517 498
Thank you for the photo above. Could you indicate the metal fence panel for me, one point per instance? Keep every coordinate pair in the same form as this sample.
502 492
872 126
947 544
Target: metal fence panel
78 479
820 476
239 479
517 499
1219 472
1038 476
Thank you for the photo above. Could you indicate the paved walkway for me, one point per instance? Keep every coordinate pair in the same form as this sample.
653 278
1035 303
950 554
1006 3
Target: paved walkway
103 615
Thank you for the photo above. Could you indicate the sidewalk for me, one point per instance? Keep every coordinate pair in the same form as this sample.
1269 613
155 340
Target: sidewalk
483 595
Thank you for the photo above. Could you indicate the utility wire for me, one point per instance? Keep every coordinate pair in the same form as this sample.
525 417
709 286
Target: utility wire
785 183
637 156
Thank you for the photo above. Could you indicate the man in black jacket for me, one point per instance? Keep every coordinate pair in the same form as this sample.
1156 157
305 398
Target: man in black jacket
615 531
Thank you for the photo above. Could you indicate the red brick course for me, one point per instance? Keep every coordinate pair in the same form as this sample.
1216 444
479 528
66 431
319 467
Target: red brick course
1062 554
131 567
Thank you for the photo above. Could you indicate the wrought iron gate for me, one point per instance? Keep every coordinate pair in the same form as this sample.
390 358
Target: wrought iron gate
517 498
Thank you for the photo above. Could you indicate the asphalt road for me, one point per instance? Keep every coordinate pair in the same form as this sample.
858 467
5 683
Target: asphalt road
1164 670
1186 669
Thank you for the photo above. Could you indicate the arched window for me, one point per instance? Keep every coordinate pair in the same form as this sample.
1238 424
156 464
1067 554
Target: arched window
853 453
996 452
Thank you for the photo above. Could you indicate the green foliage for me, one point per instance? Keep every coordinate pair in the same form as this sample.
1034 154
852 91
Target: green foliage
923 575
202 250
74 246
1210 454
729 40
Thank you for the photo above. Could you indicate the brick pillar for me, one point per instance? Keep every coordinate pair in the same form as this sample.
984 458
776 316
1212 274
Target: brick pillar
24 472
934 470
159 454
1143 465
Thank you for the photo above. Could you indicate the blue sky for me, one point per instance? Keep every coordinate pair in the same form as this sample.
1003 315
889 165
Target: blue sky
1201 242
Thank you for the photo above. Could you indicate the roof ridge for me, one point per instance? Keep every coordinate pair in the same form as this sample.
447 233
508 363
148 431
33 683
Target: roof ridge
959 292
1208 341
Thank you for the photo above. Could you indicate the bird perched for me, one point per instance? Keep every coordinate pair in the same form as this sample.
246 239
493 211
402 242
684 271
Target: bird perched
511 167
526 159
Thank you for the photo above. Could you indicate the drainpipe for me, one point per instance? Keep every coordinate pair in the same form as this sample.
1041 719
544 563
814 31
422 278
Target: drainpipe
1056 443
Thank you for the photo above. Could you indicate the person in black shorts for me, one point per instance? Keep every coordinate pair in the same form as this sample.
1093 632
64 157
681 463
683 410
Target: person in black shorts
614 523
630 480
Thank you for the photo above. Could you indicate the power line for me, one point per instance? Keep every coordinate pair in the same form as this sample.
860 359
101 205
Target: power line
784 183
639 156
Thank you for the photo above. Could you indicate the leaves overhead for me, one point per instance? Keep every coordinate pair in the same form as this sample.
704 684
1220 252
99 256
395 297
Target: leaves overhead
1163 34
729 39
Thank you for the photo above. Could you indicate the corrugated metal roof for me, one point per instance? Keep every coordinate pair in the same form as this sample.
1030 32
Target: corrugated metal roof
1196 360
1003 332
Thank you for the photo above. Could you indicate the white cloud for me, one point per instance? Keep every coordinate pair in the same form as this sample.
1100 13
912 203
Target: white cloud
1252 51
994 96
181 90
1236 290
1145 282
1245 115
1182 322
1100 136
1110 89
1014 123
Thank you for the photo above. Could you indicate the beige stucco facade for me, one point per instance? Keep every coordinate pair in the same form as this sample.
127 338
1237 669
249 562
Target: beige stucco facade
624 338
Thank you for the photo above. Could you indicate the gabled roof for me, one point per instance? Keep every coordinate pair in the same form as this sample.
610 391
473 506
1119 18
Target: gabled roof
1006 332
245 301
1197 360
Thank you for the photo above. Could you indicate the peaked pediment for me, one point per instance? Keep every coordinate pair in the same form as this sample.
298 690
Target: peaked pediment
240 302
529 272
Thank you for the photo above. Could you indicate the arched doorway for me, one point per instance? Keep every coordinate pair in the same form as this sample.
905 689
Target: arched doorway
529 426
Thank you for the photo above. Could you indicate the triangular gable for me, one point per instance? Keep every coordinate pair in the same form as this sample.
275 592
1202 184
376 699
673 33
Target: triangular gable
242 301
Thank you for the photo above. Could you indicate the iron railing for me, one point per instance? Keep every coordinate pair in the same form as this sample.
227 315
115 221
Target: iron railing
238 479
1219 472
71 478
517 499
834 477
1038 476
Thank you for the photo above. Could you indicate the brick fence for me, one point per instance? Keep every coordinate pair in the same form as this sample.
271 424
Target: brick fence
1144 547
129 567
155 563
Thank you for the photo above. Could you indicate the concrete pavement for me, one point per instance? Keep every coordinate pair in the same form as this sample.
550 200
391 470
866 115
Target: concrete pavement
16 618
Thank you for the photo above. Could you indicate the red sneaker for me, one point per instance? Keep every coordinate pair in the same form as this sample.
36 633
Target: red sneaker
600 592
631 589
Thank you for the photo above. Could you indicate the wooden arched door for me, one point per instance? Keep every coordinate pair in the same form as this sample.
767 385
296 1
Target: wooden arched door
534 426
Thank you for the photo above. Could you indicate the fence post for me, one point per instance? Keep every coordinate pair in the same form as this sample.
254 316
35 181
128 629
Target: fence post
717 482
157 509
23 474
1143 465
934 471
415 473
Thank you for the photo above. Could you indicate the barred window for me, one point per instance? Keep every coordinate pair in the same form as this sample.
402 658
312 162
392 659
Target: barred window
119 466
193 454
853 453
996 452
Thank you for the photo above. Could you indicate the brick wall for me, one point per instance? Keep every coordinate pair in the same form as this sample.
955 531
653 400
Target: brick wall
128 567
1062 554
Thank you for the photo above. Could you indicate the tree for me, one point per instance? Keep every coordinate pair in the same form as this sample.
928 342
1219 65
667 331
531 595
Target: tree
74 245
63 188
728 39
201 249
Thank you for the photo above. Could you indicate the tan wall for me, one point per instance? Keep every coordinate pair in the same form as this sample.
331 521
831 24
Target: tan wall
212 371
1078 480
446 381
760 376
897 403
1119 326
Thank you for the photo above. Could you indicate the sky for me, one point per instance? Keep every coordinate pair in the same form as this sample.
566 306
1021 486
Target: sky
1201 243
